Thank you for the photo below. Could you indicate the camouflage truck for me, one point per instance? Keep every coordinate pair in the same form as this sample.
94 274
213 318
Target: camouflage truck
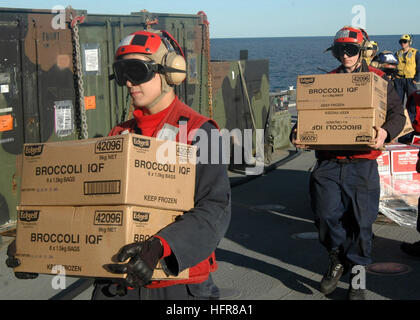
55 70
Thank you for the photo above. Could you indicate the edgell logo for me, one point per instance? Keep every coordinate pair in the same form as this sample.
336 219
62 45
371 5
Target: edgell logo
307 80
29 215
141 143
34 150
365 138
141 216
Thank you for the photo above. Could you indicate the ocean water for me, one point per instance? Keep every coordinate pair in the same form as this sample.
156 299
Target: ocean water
290 57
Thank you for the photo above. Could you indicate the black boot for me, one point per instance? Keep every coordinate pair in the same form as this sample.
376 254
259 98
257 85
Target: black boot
413 249
356 292
333 275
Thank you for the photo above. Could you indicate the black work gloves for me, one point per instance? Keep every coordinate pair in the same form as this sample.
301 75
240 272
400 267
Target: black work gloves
13 262
144 258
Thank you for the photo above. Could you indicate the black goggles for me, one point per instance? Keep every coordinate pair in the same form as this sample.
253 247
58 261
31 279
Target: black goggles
403 41
350 50
134 70
390 71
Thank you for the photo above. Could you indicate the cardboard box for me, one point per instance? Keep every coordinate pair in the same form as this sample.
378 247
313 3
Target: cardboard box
339 129
384 164
83 239
339 111
403 159
406 184
408 127
126 169
365 90
396 146
386 185
416 141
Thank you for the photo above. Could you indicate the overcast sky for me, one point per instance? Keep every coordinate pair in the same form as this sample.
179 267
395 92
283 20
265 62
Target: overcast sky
265 18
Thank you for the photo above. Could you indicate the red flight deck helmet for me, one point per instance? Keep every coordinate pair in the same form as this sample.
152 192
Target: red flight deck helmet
349 40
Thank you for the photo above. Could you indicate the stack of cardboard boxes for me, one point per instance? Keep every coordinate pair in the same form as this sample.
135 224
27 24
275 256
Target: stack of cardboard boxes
81 201
339 111
397 169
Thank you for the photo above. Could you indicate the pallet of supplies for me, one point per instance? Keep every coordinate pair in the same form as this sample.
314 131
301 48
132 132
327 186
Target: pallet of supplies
400 185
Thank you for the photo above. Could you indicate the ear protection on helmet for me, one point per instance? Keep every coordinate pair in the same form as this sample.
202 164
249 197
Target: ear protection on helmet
173 60
160 47
369 49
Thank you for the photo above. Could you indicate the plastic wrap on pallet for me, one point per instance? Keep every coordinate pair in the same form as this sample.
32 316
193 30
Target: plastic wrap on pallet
399 211
399 200
400 184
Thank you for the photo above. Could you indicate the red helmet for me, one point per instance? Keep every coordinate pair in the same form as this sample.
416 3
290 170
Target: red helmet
350 35
143 42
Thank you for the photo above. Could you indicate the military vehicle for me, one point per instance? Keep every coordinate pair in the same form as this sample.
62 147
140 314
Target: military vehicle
55 85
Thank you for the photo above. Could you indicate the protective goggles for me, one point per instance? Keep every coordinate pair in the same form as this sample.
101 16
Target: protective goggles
134 70
350 50
390 71
403 41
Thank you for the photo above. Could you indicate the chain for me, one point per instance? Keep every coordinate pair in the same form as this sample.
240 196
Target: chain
206 49
200 99
209 76
79 75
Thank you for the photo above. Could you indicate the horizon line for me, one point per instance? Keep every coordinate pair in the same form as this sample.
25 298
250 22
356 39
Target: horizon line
329 36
